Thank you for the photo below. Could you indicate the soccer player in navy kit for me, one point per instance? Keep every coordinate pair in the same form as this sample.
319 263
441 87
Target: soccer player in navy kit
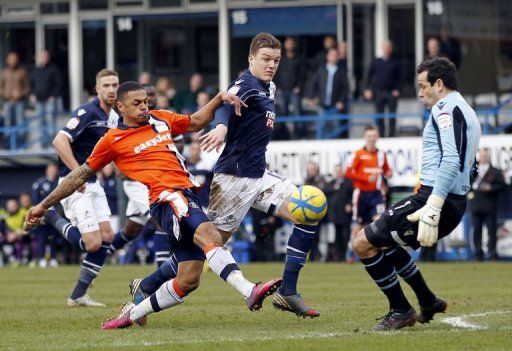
450 143
41 188
87 209
241 180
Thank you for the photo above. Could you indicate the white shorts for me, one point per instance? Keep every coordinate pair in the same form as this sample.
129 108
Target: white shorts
137 209
231 197
85 210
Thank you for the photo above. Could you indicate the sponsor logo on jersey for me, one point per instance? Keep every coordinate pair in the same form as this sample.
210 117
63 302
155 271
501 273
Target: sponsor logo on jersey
73 123
271 118
152 142
444 121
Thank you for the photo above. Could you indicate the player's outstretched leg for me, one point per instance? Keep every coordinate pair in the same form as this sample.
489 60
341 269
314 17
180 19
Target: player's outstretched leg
140 288
65 228
299 245
380 268
168 295
407 269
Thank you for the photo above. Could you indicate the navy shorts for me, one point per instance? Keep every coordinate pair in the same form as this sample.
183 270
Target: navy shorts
368 204
393 228
181 233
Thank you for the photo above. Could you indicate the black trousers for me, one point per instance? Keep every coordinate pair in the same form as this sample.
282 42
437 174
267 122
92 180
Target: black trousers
342 239
489 219
384 98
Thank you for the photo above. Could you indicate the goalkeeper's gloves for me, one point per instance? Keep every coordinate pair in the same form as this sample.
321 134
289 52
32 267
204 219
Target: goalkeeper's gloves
428 217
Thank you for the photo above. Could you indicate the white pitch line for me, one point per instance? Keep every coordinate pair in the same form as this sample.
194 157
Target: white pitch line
461 321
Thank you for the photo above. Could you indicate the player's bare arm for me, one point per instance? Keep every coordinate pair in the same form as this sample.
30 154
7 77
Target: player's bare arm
201 118
68 186
63 146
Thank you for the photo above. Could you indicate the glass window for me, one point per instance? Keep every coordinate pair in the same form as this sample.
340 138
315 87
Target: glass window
20 38
164 3
169 43
202 1
127 61
56 42
94 51
54 7
93 4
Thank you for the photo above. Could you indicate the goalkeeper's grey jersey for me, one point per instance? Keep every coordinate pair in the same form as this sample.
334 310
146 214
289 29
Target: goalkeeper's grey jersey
450 143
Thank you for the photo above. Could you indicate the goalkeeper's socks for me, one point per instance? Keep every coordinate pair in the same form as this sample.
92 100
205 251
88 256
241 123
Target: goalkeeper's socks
167 271
407 269
299 245
167 296
384 275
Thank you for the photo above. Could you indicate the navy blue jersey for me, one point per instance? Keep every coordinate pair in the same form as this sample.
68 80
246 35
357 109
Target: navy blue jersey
88 124
249 134
109 185
204 177
41 188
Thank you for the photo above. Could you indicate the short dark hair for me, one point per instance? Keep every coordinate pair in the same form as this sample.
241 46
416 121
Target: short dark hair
126 87
440 68
264 40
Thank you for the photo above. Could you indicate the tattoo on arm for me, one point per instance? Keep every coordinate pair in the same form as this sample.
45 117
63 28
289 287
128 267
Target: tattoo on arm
69 185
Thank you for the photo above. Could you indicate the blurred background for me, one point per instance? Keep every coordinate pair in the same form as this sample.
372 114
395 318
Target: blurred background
50 52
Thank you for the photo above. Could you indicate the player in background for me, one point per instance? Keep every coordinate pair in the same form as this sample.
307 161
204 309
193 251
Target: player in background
87 208
241 180
450 143
41 188
367 171
142 148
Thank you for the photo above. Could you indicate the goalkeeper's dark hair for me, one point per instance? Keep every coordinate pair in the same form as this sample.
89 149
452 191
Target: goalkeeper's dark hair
126 87
440 68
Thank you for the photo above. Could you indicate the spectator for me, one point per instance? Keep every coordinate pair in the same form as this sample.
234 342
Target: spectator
162 103
383 86
165 87
330 90
14 89
313 177
151 93
433 48
41 188
339 194
145 78
319 59
484 198
46 89
343 51
450 47
289 79
15 234
186 99
29 240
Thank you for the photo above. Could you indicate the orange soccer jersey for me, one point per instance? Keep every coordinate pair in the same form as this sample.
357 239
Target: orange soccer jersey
147 153
367 169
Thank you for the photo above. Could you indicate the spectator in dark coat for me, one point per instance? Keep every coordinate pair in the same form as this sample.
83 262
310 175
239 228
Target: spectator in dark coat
339 197
383 86
46 89
484 198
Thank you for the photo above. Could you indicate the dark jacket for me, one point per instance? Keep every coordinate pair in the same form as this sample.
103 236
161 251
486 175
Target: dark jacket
485 202
291 73
339 86
46 82
384 75
339 195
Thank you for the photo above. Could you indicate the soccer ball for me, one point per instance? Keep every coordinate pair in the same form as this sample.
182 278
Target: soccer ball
307 204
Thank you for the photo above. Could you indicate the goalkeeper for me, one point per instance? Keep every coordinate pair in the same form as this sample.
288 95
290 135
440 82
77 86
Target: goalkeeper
450 142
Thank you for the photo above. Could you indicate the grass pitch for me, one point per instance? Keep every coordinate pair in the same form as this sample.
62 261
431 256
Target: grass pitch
34 315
